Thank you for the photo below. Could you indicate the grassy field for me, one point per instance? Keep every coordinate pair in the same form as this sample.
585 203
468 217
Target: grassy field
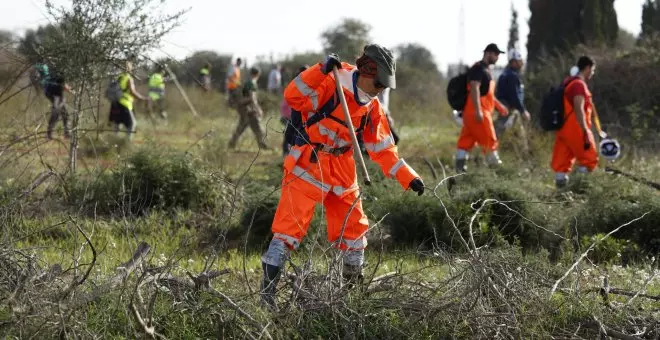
421 281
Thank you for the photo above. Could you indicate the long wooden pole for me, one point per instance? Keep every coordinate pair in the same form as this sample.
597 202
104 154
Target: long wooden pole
183 93
351 129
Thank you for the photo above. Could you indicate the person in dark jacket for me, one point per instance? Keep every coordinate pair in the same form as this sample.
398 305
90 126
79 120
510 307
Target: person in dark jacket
510 91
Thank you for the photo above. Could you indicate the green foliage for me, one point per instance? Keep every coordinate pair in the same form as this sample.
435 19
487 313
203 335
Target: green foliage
613 202
609 250
514 32
422 221
149 179
650 18
346 39
559 26
420 84
32 44
91 35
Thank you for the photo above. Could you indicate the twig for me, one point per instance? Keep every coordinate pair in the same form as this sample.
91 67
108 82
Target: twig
240 311
148 330
591 247
607 331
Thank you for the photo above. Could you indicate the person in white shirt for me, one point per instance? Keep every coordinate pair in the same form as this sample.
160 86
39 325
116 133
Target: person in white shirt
275 80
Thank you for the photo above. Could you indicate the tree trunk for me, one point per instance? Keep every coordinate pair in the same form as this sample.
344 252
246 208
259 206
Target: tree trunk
73 151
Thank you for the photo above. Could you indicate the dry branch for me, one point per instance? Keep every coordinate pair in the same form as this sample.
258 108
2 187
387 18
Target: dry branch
591 247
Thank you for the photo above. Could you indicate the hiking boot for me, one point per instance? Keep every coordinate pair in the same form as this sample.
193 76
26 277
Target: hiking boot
461 166
352 275
561 180
269 286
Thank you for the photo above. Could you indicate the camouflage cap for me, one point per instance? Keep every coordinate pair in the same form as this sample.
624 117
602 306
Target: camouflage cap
385 64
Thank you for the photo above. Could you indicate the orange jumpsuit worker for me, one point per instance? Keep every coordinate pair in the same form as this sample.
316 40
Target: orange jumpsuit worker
478 125
320 167
233 84
575 141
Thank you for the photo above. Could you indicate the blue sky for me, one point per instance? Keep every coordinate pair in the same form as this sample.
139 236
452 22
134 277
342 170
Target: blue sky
265 27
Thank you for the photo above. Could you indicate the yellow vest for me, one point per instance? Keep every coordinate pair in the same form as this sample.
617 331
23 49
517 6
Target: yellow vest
127 98
157 83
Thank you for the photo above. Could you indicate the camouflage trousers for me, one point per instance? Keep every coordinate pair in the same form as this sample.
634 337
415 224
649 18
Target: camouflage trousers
249 116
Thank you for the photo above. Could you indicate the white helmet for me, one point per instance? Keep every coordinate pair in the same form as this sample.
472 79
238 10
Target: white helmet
610 149
458 117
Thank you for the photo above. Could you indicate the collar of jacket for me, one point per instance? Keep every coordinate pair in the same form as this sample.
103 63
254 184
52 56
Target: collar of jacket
356 75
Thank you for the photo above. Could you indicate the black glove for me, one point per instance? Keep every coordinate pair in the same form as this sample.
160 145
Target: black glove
417 186
330 62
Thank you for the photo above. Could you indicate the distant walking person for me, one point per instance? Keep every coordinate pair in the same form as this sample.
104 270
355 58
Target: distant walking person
510 91
39 76
121 110
54 88
285 118
205 77
574 140
233 84
157 92
478 112
275 80
249 112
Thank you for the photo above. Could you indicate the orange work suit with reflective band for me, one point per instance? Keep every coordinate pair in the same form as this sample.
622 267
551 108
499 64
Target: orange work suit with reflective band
234 79
569 140
313 176
475 132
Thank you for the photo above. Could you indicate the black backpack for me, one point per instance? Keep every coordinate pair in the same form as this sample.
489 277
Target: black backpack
457 93
552 108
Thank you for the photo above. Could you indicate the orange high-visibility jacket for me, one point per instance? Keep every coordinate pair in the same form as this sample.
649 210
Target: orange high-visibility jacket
234 78
314 93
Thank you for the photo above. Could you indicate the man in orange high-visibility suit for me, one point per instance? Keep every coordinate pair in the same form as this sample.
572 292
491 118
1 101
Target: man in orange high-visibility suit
320 167
575 140
478 125
233 84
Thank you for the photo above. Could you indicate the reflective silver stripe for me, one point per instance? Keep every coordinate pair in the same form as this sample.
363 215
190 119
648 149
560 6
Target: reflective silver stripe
302 174
360 243
339 190
292 241
338 142
400 164
307 91
295 153
382 145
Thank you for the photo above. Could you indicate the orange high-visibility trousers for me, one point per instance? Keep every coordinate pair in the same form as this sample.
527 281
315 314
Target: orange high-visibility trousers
569 147
474 132
296 209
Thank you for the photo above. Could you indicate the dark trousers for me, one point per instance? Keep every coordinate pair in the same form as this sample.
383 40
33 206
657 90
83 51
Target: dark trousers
58 109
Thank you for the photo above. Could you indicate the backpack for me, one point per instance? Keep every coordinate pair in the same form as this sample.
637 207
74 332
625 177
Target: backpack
114 91
552 108
457 93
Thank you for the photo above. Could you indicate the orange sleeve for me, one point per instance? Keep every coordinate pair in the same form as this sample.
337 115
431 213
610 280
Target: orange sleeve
309 90
379 143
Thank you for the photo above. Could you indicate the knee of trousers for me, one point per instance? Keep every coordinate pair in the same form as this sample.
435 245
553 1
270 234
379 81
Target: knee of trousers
278 252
